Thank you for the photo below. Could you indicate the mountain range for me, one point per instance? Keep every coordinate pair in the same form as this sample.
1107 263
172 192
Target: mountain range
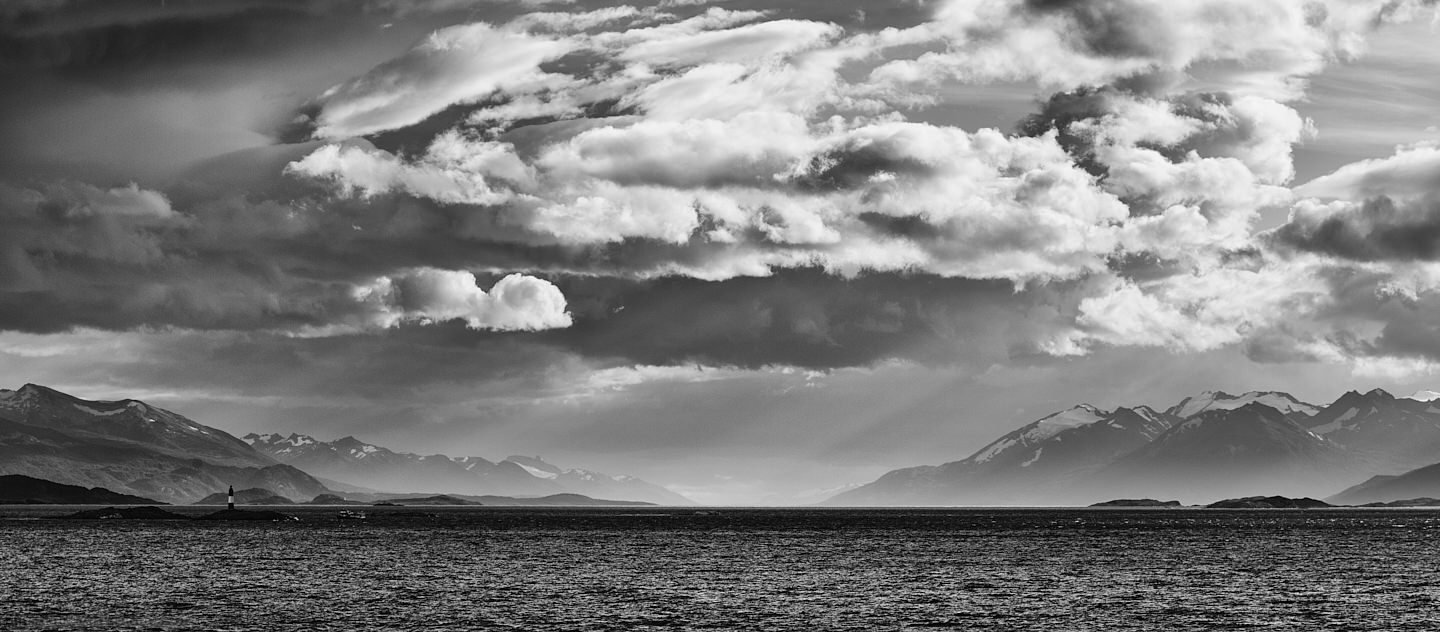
1361 448
132 448
353 461
1210 445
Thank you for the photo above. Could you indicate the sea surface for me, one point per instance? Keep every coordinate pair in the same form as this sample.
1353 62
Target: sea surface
727 569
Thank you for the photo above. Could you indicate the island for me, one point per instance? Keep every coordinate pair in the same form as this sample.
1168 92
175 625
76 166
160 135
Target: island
1269 502
1138 502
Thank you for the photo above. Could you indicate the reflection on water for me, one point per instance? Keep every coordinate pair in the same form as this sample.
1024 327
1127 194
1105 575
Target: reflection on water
526 569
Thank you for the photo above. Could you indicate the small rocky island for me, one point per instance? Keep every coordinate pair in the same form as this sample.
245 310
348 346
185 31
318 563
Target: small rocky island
1269 502
125 513
1408 502
261 515
1138 502
156 513
442 499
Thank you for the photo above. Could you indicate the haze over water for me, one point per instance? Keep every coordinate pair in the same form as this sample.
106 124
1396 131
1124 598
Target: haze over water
761 569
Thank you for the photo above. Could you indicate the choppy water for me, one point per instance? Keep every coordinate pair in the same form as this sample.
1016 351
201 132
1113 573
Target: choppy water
657 569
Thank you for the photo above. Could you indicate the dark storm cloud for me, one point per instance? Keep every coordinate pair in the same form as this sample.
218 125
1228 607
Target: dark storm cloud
808 318
234 264
1378 229
77 41
74 255
1385 209
383 365
801 318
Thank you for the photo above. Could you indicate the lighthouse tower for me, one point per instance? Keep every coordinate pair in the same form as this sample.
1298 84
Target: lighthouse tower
230 498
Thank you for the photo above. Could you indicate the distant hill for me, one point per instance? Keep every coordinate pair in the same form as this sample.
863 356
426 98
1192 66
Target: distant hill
131 447
1417 483
558 500
19 489
441 499
251 496
354 461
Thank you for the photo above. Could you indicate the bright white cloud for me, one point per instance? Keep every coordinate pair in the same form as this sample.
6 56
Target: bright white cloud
1411 171
516 302
454 170
453 65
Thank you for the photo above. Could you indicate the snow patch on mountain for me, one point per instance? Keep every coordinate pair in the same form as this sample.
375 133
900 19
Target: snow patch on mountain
536 472
1220 400
1424 396
1335 424
1082 415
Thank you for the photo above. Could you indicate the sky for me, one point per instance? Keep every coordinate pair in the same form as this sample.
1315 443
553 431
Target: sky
754 252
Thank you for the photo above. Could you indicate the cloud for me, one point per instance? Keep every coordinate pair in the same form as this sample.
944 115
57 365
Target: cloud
454 170
1385 209
124 225
1409 172
1261 48
1376 229
516 302
454 64
694 151
747 44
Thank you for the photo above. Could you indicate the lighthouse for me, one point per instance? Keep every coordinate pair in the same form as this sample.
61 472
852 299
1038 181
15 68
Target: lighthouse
230 498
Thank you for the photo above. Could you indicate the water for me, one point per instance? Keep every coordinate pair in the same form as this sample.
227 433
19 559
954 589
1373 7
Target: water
659 569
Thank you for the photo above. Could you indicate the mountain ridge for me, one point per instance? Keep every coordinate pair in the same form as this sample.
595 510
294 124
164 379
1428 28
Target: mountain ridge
355 461
132 448
1214 444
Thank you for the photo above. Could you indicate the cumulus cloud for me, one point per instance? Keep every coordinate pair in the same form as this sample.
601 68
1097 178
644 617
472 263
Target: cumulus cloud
516 302
1376 229
454 170
1372 210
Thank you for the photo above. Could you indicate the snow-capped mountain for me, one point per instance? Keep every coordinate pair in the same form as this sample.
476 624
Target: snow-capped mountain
1394 434
1213 443
1220 400
131 447
1424 396
359 463
353 461
1226 452
597 484
1036 463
